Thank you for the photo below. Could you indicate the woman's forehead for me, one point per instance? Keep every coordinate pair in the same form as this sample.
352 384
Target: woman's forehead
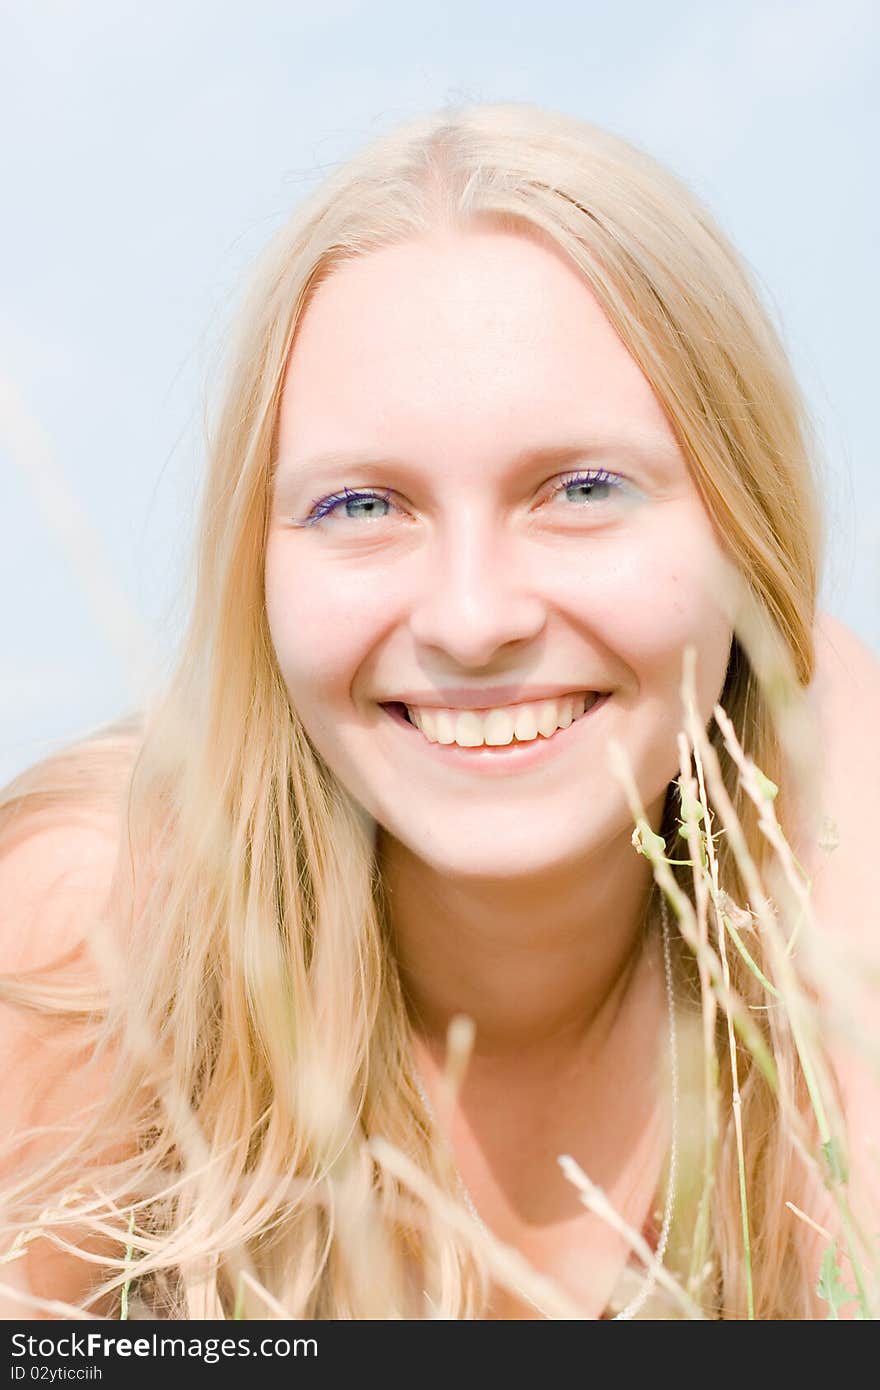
479 332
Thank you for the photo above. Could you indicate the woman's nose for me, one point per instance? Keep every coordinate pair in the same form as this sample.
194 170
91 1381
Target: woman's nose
476 596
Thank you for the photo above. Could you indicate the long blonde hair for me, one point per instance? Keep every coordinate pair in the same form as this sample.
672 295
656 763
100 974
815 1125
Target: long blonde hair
253 1007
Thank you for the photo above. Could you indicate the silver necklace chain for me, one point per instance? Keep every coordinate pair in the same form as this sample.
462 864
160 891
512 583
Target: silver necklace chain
638 1302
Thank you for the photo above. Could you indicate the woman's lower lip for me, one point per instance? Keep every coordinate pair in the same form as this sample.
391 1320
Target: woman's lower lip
502 759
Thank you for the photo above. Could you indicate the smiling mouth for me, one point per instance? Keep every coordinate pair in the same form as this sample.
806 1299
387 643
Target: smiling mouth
446 742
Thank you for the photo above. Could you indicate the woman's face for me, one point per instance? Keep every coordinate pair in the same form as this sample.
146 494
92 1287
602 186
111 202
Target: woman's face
475 376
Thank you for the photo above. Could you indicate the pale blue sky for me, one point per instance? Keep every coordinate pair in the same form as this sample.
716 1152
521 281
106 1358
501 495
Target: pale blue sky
150 150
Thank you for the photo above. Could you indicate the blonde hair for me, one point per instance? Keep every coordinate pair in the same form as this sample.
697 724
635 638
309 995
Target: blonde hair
254 1009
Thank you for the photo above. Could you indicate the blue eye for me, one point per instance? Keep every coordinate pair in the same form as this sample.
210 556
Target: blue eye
589 483
325 506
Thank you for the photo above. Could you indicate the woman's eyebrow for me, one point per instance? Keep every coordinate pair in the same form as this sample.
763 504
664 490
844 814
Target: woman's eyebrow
647 449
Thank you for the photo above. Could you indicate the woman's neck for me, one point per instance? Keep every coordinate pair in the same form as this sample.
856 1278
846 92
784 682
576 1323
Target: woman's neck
541 966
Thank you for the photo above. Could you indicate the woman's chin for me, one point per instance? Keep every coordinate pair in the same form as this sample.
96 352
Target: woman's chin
481 859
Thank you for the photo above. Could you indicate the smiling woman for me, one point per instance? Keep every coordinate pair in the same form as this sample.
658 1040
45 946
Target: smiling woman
474 570
511 475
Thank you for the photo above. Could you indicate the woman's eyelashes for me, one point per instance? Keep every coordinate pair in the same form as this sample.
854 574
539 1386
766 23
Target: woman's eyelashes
589 490
326 506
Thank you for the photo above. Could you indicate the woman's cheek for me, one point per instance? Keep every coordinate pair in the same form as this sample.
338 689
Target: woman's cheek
643 599
317 621
666 595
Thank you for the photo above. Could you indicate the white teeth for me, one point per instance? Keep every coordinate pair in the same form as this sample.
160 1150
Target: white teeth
548 717
526 726
498 727
469 729
444 726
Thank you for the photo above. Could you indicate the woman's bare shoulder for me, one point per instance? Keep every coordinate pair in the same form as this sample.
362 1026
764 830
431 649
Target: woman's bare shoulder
60 825
50 873
845 694
53 879
845 666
